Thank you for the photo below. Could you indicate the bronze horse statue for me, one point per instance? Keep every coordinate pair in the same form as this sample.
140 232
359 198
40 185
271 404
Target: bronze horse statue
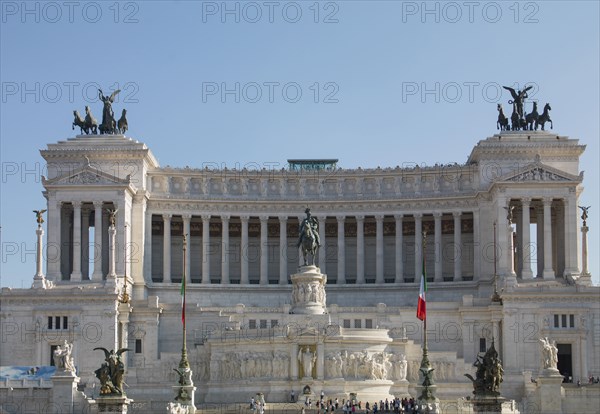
532 117
502 123
87 125
308 244
544 117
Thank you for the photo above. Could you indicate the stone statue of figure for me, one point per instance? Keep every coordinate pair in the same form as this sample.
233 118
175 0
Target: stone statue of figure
403 364
549 354
39 216
307 359
111 372
109 125
584 214
112 216
518 98
509 214
309 236
63 360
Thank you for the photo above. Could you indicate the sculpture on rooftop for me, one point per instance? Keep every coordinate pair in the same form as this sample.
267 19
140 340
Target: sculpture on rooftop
109 124
520 120
89 124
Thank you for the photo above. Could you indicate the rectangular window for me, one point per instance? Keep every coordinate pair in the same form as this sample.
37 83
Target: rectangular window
572 321
263 324
65 322
57 322
556 321
369 323
49 322
252 324
274 323
347 323
564 321
138 346
357 323
482 347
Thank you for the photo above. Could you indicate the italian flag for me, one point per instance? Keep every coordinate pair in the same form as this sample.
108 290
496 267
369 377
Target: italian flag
183 301
421 310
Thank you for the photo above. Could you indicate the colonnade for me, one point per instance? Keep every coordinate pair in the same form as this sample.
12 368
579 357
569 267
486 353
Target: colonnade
346 234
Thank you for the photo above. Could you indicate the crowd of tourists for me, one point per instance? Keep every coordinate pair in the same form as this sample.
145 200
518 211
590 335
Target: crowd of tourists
325 406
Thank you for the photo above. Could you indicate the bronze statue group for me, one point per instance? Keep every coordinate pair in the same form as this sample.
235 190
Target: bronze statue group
520 120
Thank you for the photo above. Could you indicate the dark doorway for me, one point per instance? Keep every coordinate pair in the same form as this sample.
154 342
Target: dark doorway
565 361
52 349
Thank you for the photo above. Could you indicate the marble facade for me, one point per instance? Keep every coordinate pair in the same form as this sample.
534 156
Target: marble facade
258 322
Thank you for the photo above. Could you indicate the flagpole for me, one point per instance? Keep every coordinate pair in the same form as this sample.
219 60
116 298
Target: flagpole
427 399
424 274
184 363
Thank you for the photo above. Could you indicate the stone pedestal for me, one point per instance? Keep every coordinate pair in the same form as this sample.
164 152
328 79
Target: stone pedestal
64 387
485 404
111 404
550 391
400 389
308 293
184 402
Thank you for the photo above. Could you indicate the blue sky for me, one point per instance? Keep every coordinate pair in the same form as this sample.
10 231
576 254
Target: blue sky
316 79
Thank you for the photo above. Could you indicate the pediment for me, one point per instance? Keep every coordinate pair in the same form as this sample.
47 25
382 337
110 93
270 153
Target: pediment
539 172
88 175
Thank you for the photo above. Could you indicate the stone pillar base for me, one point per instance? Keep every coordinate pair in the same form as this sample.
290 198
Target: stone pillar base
400 389
550 391
584 280
64 387
111 404
308 294
184 402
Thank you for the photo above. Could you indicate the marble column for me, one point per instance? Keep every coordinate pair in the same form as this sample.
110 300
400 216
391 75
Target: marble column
244 251
147 255
54 239
39 273
264 251
476 246
457 245
548 272
283 250
399 242
379 276
418 246
76 273
188 239
511 251
584 250
206 249
166 248
85 242
539 240
526 272
225 249
322 249
360 249
571 236
97 274
112 256
437 219
341 239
